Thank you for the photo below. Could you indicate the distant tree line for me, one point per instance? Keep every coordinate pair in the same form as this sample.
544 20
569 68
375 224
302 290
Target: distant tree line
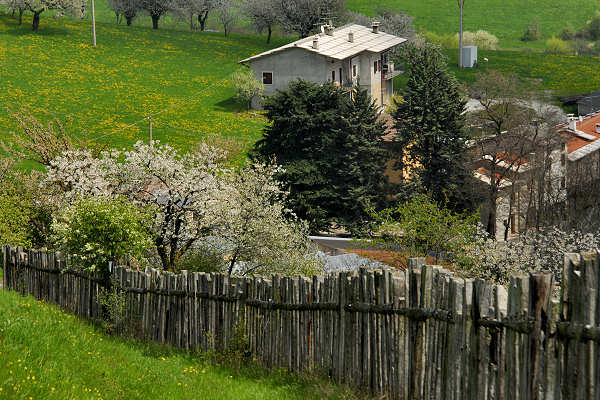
300 17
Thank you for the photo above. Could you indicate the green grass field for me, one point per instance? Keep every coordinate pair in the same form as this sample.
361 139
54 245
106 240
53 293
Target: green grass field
506 19
48 354
106 92
134 72
561 74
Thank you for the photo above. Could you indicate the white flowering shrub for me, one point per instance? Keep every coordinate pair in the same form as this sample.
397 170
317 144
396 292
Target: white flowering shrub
260 234
193 197
482 39
531 251
95 231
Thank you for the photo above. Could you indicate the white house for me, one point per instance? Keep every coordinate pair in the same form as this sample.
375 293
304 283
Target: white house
346 56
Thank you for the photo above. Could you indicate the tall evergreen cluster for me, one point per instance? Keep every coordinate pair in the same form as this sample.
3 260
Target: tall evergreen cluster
329 141
429 124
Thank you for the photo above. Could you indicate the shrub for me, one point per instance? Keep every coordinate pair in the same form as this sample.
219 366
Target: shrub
246 86
482 39
422 227
555 45
568 33
95 231
204 258
593 28
445 41
532 32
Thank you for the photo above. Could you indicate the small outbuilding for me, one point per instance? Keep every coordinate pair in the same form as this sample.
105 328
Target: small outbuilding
346 56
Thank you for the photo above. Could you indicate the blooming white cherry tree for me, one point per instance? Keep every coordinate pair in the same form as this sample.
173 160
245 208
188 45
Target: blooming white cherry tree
194 197
182 188
73 7
259 233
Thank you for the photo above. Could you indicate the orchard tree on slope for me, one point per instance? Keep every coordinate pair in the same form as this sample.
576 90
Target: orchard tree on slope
61 7
329 145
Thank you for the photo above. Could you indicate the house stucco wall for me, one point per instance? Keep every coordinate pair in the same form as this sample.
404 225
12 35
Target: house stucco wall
295 63
291 64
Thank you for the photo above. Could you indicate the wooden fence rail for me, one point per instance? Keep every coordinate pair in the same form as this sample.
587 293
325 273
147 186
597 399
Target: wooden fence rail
423 333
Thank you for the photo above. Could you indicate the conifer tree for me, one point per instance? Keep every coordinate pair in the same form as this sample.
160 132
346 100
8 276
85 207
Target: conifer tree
329 144
429 123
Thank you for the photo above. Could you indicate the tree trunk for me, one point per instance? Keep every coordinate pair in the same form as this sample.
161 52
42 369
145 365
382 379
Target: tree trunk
21 16
155 18
270 30
129 19
202 20
191 21
36 20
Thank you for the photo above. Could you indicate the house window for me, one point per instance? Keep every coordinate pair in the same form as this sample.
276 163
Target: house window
375 67
332 76
354 71
267 78
379 65
340 74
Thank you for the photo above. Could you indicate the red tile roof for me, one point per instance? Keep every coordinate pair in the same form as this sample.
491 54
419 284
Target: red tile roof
587 126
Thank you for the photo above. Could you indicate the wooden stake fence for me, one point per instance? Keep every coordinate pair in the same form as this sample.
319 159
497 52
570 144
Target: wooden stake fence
417 334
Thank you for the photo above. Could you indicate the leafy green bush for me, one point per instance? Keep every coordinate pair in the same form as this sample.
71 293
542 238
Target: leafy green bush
95 231
205 258
568 33
482 39
593 28
555 45
422 227
14 217
532 32
445 41
246 86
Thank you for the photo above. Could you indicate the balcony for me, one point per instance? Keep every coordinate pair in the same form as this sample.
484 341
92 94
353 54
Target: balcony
388 72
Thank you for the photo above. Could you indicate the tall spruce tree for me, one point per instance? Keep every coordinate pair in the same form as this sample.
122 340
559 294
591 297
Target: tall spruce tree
429 123
330 145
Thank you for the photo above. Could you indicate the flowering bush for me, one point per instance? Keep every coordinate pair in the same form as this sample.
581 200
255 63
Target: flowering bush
94 231
191 197
531 251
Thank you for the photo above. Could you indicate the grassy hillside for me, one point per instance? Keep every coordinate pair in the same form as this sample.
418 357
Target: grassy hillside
561 74
506 19
107 91
47 354
132 73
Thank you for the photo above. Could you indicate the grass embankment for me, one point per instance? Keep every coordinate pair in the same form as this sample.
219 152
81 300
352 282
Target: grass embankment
48 354
560 74
134 72
507 19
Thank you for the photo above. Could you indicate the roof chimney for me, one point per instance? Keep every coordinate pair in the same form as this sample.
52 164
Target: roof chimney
329 30
351 37
315 44
573 123
375 26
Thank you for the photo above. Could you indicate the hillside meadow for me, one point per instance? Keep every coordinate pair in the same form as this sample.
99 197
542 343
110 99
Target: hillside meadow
507 19
182 78
46 353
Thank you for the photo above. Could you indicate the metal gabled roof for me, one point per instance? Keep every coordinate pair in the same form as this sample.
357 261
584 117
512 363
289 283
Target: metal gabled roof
337 46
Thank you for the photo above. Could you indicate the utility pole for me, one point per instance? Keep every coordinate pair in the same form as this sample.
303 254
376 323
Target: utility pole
93 25
461 3
150 120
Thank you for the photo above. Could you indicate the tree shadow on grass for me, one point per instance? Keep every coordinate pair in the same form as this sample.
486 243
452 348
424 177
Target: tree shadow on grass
13 28
230 105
